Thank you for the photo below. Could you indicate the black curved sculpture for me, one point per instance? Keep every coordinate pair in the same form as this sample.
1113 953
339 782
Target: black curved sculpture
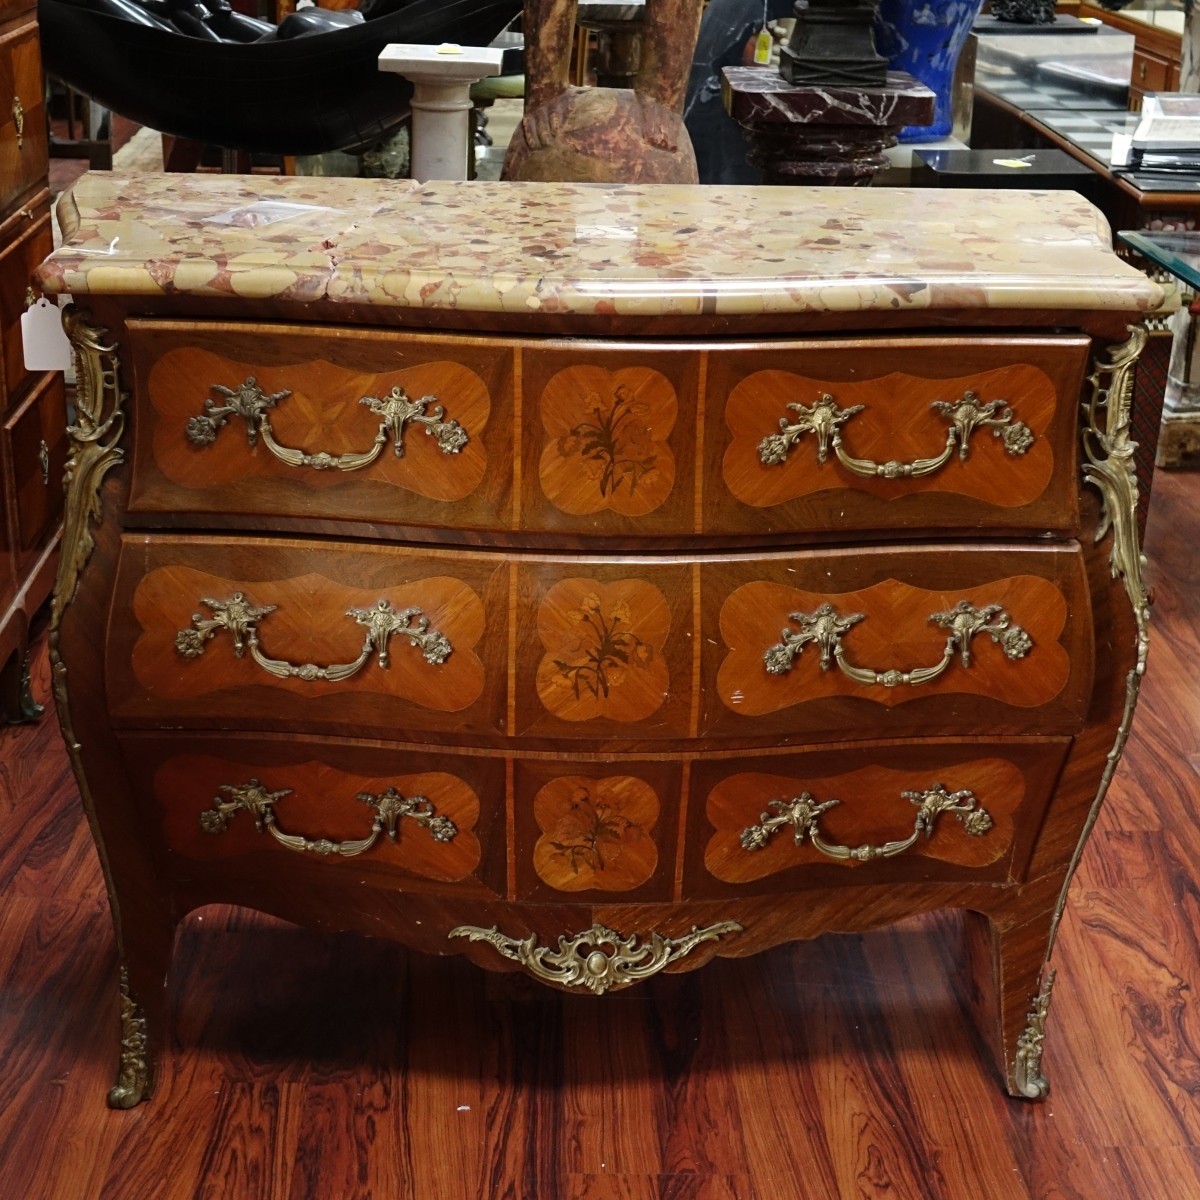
281 94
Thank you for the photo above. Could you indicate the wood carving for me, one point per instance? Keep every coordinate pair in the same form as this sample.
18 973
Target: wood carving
605 135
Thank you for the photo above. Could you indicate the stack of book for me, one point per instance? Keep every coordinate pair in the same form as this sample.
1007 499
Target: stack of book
1167 138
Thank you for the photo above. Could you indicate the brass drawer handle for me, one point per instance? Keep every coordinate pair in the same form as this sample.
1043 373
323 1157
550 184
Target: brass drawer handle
803 813
826 626
825 419
598 958
241 619
44 461
390 808
396 410
18 116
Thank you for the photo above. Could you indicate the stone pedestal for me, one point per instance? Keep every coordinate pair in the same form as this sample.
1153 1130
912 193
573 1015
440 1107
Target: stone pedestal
441 77
821 135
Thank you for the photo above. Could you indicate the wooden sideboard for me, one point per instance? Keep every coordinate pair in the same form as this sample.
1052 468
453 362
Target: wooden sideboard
33 443
594 580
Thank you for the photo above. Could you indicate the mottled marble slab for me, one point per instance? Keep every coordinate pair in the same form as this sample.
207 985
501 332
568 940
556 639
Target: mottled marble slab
567 248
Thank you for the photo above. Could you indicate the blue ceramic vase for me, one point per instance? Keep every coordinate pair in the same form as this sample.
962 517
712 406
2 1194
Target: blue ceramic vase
925 38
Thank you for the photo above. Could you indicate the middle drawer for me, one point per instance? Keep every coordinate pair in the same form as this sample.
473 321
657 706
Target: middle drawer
258 633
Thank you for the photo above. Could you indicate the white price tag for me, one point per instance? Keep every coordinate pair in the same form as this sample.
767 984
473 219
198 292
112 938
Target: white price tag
47 347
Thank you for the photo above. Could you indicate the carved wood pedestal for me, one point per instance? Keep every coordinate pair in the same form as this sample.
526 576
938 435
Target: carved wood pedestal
770 601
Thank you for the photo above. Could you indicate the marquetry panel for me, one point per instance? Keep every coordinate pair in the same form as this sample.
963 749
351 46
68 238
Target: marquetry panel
742 835
168 662
611 436
450 832
1017 472
894 612
22 114
606 650
330 394
605 647
596 831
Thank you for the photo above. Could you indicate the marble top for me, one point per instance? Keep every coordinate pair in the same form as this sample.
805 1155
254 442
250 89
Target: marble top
493 248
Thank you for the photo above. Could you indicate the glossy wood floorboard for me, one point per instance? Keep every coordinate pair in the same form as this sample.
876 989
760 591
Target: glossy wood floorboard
305 1067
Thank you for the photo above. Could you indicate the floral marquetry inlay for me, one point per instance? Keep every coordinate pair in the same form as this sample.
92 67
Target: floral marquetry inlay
595 833
606 440
604 650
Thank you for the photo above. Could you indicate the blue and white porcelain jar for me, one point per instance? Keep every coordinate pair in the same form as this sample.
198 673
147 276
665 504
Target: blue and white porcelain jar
925 38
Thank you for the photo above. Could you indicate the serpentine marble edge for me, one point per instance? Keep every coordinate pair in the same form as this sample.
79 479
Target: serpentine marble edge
568 248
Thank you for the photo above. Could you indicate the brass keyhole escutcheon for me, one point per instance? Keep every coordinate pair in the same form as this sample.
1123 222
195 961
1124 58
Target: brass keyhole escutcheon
44 461
18 112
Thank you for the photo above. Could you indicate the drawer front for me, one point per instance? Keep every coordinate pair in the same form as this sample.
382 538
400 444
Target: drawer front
22 114
942 812
630 441
590 828
899 642
260 634
28 242
380 818
896 433
37 447
384 428
1149 73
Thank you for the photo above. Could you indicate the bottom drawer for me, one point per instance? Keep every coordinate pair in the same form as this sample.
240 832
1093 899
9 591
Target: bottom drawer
593 828
909 813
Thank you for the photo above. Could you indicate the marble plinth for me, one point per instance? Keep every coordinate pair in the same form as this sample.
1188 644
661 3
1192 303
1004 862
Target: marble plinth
821 135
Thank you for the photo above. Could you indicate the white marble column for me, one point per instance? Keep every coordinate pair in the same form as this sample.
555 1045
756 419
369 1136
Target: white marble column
441 77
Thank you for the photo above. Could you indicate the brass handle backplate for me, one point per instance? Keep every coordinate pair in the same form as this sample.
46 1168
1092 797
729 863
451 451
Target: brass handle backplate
395 411
390 808
44 461
18 116
803 813
825 419
597 959
826 626
381 621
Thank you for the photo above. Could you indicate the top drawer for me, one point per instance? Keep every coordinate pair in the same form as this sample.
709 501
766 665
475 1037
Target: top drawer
636 441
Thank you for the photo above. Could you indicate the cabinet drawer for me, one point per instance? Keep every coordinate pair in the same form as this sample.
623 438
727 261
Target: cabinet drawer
902 642
380 818
22 115
896 433
25 243
944 811
383 428
259 634
1150 73
589 829
37 453
644 442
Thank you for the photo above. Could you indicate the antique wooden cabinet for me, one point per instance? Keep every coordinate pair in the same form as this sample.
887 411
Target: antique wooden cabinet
593 580
33 440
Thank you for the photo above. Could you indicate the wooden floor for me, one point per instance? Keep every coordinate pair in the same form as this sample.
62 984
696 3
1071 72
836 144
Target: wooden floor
336 1068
